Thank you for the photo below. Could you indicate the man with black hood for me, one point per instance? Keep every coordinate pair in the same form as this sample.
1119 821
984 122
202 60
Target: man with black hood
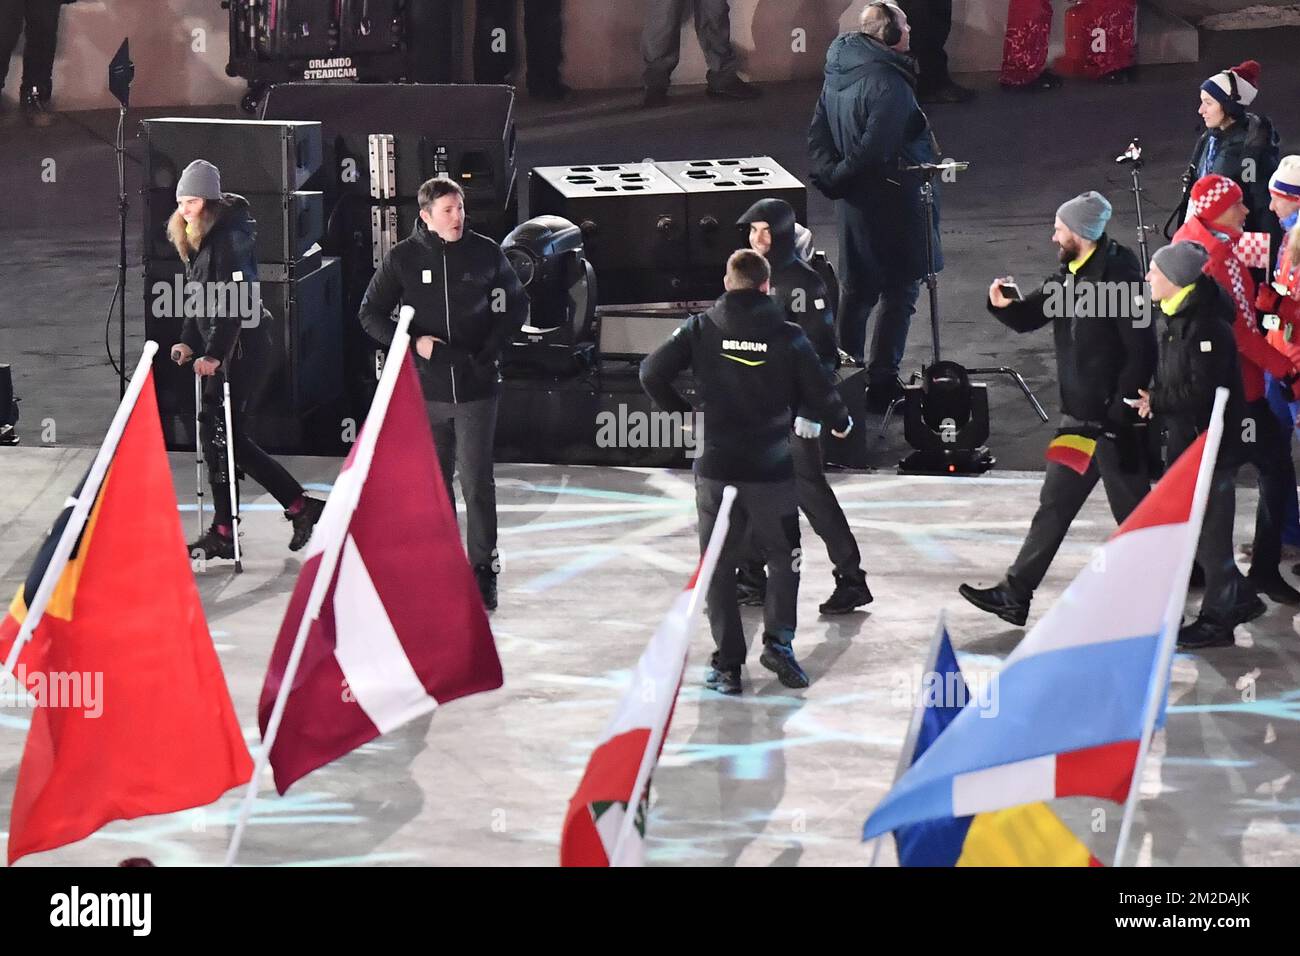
214 234
468 305
806 301
868 125
753 370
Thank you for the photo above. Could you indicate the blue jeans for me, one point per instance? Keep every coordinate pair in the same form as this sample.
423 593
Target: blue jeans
1286 411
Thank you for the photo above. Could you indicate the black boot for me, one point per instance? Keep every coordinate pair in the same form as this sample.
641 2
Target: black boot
779 658
998 600
212 544
487 585
304 521
1274 587
36 109
1203 632
851 592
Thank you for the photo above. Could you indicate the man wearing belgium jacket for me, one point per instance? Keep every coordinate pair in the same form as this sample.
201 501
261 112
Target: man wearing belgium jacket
753 371
468 305
1105 352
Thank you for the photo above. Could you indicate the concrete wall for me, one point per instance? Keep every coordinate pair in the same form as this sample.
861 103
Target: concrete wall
180 47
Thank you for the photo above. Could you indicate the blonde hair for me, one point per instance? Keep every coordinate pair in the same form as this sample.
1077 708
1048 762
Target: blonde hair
187 238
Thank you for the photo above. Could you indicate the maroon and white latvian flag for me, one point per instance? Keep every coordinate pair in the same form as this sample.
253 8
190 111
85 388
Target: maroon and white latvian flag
401 628
597 831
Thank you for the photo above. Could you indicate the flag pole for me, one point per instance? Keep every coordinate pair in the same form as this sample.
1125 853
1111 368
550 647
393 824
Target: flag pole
320 585
81 508
1174 613
914 726
708 562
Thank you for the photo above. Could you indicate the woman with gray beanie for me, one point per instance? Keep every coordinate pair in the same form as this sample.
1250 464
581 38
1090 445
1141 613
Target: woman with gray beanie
214 233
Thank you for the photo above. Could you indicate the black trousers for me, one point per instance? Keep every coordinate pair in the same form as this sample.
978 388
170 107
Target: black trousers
39 19
1225 587
494 51
931 22
816 499
250 459
1123 473
464 434
768 512
1270 454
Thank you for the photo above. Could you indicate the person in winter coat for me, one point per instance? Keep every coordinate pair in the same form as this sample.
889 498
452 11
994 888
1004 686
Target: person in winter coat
1239 144
806 301
866 126
753 372
1216 213
1105 352
468 305
1197 356
214 234
1278 303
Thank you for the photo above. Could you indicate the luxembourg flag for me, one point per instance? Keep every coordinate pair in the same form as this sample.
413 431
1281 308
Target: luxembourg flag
598 830
1080 695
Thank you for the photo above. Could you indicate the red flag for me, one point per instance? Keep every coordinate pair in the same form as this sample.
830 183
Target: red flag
144 722
402 627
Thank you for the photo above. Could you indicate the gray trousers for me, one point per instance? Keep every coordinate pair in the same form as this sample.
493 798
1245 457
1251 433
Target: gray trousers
767 514
1225 587
1064 492
661 40
463 434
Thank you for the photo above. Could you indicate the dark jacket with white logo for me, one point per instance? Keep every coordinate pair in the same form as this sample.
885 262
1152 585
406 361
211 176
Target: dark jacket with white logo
226 251
752 370
465 293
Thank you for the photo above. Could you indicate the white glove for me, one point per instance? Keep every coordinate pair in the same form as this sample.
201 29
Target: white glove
847 428
807 429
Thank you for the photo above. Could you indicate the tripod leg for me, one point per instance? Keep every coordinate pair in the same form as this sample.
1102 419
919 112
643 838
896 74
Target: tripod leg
198 453
230 467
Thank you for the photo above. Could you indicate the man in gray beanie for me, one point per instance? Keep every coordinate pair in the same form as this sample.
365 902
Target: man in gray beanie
1198 354
1105 352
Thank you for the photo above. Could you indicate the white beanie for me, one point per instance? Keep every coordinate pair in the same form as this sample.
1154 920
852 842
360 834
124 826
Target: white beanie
1286 181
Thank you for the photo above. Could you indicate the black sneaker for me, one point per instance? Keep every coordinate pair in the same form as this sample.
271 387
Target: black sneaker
1274 587
735 89
997 600
950 92
881 395
549 93
8 435
1203 633
487 585
1047 80
723 681
304 521
779 659
751 587
1247 609
213 544
655 97
850 594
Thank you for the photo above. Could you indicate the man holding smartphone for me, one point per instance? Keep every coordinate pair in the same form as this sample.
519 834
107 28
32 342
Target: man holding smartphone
1105 352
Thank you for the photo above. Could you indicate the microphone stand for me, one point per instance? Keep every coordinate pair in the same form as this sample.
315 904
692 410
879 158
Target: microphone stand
122 206
1132 157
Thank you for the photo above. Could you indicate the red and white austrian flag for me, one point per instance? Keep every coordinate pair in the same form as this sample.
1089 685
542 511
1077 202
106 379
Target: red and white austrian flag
1252 250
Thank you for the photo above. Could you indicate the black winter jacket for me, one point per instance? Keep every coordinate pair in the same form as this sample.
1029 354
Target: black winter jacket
465 293
1249 145
225 252
752 370
796 284
1198 354
1100 361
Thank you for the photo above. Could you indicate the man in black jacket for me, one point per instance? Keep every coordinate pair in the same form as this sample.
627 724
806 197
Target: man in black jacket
867 125
214 234
1105 352
1198 354
468 305
753 370
802 293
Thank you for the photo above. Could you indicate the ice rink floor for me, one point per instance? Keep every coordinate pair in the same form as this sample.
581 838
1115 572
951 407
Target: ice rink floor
592 559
